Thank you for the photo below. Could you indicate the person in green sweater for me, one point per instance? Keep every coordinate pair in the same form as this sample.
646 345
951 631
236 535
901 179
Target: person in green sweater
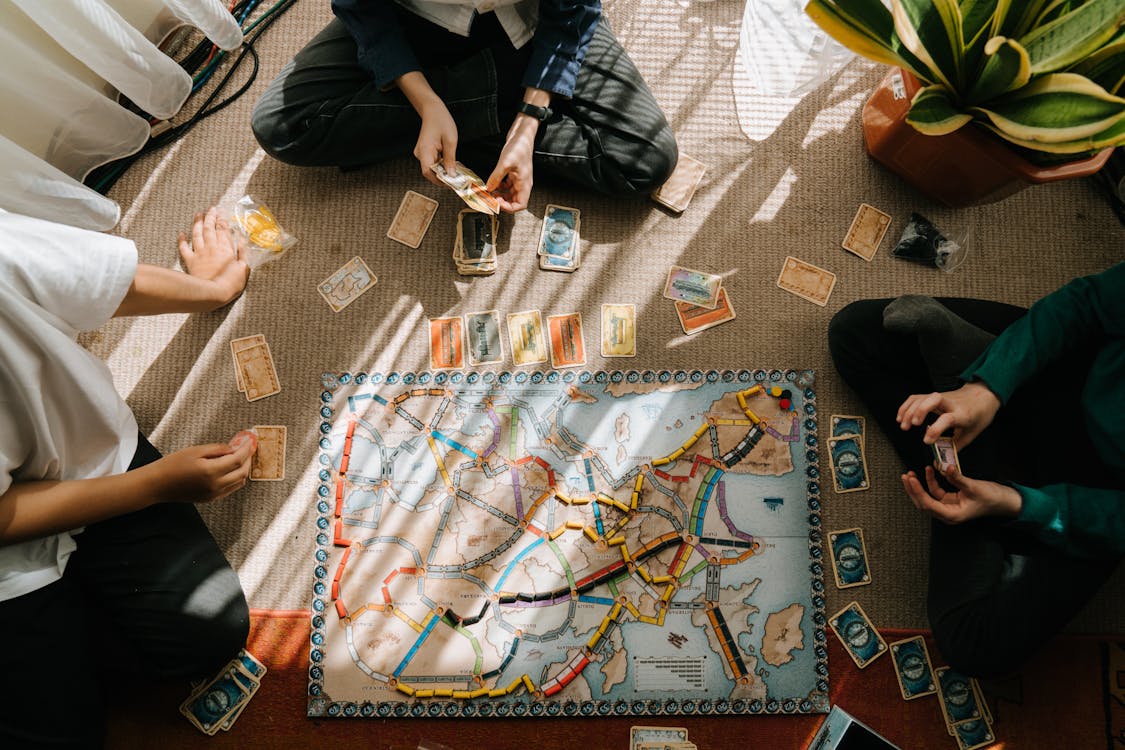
1035 402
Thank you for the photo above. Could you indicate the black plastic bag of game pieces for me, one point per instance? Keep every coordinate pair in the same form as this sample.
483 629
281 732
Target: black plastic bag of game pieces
945 248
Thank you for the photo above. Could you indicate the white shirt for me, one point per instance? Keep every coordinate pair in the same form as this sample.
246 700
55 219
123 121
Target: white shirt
60 415
517 17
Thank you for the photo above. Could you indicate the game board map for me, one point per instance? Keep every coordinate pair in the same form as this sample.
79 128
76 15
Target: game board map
516 470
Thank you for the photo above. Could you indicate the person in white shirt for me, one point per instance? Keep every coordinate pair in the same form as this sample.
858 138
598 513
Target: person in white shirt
103 555
513 88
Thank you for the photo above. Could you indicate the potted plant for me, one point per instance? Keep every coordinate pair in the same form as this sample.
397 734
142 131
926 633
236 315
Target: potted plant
988 96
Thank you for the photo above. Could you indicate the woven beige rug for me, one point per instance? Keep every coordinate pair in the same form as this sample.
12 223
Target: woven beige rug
793 193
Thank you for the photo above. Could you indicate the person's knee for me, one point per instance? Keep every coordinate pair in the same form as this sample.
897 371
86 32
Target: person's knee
968 642
642 169
212 627
847 326
267 125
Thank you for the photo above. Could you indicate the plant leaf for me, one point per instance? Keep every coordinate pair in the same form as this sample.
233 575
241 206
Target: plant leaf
1073 36
1114 135
1106 67
1006 67
855 32
1017 23
933 112
932 31
1056 108
977 20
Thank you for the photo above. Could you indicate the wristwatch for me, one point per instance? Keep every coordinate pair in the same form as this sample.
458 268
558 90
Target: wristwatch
539 113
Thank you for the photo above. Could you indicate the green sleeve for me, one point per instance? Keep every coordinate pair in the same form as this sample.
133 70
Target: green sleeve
1081 521
1086 310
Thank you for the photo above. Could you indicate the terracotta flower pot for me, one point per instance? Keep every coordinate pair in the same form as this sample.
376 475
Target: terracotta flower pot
966 167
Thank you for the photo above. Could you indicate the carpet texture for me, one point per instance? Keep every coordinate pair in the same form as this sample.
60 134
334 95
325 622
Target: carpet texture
792 192
1027 708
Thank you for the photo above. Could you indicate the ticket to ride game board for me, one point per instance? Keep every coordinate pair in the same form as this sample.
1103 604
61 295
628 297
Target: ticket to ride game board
568 543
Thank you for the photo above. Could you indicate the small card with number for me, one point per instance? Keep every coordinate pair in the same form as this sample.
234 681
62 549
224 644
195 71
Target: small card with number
849 558
485 344
676 193
268 463
866 232
259 375
346 285
525 331
945 454
568 348
806 281
642 735
860 638
413 219
913 668
447 344
694 287
619 330
237 345
694 319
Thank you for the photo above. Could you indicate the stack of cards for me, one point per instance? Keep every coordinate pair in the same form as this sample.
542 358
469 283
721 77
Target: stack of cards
847 449
806 281
866 232
474 248
967 717
676 193
346 285
701 301
469 187
413 219
254 371
268 463
559 246
217 704
659 738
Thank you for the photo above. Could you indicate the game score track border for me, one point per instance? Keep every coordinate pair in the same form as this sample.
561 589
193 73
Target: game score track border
319 706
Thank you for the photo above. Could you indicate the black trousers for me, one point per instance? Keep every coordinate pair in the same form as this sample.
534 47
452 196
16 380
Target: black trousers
324 110
146 596
995 595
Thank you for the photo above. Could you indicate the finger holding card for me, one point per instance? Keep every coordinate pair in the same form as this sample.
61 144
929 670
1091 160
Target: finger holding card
268 462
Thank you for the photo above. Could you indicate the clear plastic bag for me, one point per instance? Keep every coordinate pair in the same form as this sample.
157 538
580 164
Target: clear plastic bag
265 238
944 243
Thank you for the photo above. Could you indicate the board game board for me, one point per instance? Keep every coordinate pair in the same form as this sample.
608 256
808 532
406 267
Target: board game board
568 543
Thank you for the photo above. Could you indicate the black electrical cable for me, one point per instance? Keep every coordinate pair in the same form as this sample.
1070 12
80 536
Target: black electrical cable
105 177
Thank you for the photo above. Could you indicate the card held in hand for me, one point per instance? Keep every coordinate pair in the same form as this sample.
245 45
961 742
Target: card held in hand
469 187
412 219
346 285
268 463
806 281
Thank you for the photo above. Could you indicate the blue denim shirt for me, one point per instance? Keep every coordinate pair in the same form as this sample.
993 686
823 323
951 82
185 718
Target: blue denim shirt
559 44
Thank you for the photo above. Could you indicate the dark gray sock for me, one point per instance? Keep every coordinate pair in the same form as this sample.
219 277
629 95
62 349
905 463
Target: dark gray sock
948 342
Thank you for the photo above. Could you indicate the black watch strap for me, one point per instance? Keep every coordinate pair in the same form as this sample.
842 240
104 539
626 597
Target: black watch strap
539 113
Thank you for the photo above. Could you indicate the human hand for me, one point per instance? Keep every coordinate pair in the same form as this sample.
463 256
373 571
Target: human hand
974 498
437 140
204 473
967 411
511 180
213 258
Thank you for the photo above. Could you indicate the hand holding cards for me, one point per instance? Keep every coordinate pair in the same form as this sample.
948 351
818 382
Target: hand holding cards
469 187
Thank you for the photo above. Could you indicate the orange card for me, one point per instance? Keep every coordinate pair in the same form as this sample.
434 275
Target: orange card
447 349
568 348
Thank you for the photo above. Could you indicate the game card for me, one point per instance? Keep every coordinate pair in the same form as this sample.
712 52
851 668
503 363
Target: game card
558 238
694 287
619 330
413 219
957 695
844 425
849 558
860 638
945 454
676 193
849 465
806 281
525 331
345 285
640 735
237 345
258 372
866 232
973 734
694 319
568 348
446 344
469 187
483 329
477 235
210 706
268 463
913 668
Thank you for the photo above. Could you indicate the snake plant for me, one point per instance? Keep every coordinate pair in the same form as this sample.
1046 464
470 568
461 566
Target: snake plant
1047 75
